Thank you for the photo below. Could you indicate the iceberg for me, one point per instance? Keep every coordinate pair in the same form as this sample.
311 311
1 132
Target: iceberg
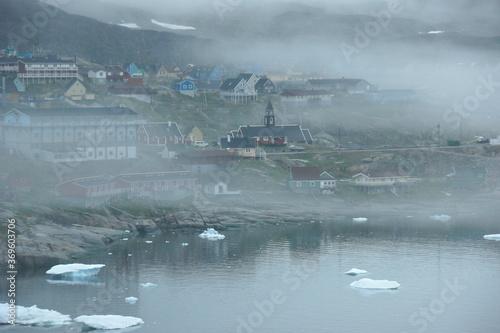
75 270
495 237
33 316
90 280
148 285
109 322
359 219
184 244
442 218
131 300
149 242
375 284
211 233
356 271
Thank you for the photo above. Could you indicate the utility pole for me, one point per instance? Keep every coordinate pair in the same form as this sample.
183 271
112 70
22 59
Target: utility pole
339 138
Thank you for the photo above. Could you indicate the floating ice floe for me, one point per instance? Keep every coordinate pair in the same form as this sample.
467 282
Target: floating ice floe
495 237
356 271
375 284
172 26
124 239
33 316
442 218
75 270
184 244
148 285
131 300
109 322
359 219
211 233
149 242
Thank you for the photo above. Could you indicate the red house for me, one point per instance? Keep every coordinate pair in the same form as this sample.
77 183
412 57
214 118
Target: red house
18 183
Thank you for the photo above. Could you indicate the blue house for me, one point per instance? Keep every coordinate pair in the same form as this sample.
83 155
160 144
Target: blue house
207 72
185 87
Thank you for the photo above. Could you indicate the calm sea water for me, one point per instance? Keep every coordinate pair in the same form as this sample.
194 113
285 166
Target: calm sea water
289 278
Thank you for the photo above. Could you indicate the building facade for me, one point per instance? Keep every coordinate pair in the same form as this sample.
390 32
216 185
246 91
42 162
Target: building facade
65 135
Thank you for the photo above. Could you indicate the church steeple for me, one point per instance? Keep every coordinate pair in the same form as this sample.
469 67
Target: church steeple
269 117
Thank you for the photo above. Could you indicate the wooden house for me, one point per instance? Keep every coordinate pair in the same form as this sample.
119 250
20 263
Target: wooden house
271 134
237 91
310 179
159 134
193 134
97 76
250 78
46 69
382 182
243 147
77 91
185 87
264 86
88 191
18 183
173 72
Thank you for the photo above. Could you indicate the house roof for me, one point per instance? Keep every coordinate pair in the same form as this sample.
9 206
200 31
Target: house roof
72 82
47 59
87 181
76 112
237 143
245 76
309 173
293 133
261 83
307 135
162 129
230 84
383 174
303 92
10 87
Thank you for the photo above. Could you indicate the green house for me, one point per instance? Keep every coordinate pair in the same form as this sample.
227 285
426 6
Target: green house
310 179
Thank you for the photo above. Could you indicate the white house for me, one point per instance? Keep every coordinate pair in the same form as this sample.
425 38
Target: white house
237 91
98 76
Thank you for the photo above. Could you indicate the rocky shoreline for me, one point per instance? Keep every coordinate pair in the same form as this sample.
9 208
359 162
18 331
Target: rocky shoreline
62 236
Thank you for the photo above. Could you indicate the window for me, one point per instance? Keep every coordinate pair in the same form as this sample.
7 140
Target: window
247 150
100 153
299 184
312 183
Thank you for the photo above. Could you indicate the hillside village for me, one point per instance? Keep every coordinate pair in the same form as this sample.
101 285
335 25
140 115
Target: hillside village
115 132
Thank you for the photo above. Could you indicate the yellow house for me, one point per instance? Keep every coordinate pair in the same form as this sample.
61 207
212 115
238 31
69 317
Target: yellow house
194 134
382 182
76 91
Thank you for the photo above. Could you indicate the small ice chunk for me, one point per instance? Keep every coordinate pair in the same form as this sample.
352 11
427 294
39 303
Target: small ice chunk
184 244
127 231
109 322
149 242
356 271
211 233
359 219
375 284
131 300
124 239
442 218
130 254
110 253
495 237
167 242
75 270
148 285
33 316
